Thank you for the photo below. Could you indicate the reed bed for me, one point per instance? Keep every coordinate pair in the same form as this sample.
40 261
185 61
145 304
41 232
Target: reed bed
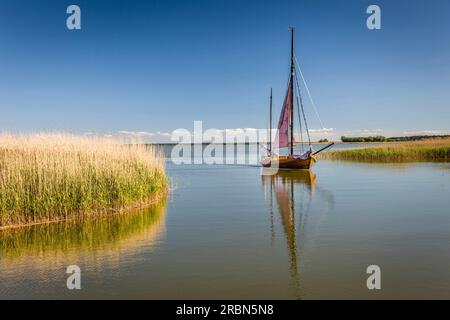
54 177
427 150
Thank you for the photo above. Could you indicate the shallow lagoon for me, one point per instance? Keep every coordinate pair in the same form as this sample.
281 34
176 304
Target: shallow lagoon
230 232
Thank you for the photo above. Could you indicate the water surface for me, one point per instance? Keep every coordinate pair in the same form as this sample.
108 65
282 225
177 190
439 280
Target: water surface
231 232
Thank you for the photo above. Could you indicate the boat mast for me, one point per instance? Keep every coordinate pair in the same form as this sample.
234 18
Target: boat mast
291 118
270 123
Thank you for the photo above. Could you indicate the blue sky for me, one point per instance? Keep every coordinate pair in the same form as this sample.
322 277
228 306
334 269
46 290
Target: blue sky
160 65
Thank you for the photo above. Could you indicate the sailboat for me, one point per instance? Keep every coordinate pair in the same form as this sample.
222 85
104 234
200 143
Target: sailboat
285 133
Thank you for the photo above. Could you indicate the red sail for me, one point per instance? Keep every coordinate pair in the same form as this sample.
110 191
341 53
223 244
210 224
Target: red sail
282 138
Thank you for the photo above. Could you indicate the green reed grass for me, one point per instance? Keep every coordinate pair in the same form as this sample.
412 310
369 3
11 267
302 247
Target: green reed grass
431 150
46 177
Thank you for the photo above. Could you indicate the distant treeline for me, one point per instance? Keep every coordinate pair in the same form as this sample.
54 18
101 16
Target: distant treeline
364 139
391 139
418 138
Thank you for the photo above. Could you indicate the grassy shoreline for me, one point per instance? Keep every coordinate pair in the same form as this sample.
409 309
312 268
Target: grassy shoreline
88 215
428 150
55 177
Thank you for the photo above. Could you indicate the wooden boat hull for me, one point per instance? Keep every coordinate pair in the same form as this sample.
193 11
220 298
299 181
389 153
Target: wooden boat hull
288 162
303 177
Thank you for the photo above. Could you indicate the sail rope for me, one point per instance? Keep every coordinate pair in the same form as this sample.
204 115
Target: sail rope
309 93
299 122
268 136
303 111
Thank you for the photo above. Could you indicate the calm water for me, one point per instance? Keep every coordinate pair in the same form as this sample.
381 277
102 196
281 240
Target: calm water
230 232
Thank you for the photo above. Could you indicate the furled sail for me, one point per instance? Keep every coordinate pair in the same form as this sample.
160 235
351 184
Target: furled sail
282 137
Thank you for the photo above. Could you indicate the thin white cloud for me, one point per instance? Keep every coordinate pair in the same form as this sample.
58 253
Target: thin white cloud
363 132
251 134
228 134
321 130
136 133
424 132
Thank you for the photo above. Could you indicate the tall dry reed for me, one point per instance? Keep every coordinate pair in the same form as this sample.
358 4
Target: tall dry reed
46 177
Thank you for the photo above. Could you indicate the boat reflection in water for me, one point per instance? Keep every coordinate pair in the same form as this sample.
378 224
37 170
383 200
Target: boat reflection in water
285 187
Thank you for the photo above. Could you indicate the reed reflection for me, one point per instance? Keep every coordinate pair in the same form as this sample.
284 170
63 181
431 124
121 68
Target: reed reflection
116 233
